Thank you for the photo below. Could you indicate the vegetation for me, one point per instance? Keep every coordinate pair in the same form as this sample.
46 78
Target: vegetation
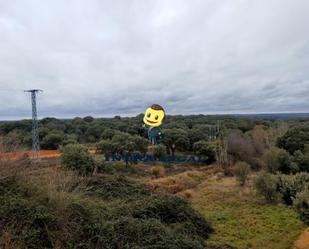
243 220
98 203
241 172
159 152
76 156
94 212
267 185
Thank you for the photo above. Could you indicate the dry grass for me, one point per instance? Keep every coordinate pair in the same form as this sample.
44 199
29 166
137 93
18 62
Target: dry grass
179 182
239 217
158 171
243 219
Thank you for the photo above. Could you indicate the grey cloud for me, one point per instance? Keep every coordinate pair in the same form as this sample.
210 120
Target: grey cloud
107 58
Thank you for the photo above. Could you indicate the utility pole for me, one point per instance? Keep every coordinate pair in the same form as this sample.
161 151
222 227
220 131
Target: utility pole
35 133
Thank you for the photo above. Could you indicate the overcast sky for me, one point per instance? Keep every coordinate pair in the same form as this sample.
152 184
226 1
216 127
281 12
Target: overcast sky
106 58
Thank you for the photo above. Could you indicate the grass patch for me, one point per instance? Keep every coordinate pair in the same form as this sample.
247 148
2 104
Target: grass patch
244 220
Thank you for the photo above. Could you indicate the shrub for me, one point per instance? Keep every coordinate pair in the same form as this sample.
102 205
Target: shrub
301 159
277 160
69 141
106 146
97 227
52 141
158 171
256 163
28 220
295 139
110 186
286 186
143 221
240 146
105 167
290 185
171 209
159 151
241 171
205 149
267 185
301 203
76 157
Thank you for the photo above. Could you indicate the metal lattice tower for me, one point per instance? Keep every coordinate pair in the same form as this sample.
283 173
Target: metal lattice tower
35 133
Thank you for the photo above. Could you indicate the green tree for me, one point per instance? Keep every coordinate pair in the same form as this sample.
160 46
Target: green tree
295 139
52 140
277 160
197 134
301 159
140 143
106 146
93 132
179 137
108 133
76 157
267 185
89 119
205 149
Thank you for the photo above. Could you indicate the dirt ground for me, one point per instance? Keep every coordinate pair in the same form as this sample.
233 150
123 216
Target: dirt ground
42 154
303 241
19 154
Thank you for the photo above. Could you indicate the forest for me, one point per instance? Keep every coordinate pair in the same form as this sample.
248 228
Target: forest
259 165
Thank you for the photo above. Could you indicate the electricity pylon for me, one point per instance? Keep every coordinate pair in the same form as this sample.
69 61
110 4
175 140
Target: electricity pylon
35 133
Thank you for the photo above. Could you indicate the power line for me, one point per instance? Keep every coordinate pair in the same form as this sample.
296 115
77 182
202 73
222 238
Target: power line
35 133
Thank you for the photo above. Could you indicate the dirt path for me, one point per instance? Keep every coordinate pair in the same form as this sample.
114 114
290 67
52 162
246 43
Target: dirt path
42 154
19 154
303 241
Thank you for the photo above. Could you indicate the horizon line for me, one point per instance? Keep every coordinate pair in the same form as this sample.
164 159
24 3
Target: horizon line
176 114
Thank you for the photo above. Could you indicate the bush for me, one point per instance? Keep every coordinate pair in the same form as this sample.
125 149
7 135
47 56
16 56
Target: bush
241 171
267 185
290 185
158 171
171 209
159 152
76 157
295 139
28 220
205 149
97 227
132 218
106 146
277 160
286 186
301 159
105 167
68 141
301 203
52 141
110 187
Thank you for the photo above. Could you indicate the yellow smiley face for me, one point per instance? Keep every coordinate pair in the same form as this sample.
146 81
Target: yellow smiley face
154 115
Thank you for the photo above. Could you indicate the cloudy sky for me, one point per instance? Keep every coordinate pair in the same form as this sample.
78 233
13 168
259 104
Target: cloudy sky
116 57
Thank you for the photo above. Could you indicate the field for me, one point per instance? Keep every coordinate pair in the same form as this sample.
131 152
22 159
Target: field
197 205
240 217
